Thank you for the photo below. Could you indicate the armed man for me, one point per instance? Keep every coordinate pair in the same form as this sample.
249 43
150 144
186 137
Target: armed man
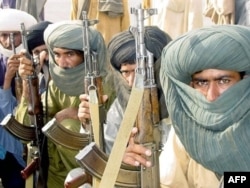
66 61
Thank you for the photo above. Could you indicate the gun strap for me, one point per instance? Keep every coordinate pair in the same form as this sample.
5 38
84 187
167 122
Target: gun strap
116 155
94 113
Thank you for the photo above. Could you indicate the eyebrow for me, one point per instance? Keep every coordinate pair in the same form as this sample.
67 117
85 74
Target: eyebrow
214 79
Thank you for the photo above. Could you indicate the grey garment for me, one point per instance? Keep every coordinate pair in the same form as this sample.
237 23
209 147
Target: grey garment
112 125
35 8
241 14
113 121
112 8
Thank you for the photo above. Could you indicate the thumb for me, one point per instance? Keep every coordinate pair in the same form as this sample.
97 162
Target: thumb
105 98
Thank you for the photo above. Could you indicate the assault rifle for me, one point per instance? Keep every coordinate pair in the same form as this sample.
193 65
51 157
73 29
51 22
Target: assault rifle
94 161
18 79
39 164
93 84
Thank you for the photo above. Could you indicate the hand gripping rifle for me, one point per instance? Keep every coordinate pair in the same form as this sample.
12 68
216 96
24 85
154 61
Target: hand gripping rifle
39 164
18 79
94 161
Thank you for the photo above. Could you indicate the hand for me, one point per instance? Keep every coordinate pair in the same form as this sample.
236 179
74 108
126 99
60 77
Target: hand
135 153
84 111
25 68
12 66
67 113
11 70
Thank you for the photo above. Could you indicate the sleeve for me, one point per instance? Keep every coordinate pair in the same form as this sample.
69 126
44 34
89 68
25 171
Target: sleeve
8 102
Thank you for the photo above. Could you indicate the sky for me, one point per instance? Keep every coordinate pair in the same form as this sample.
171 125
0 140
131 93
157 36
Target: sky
57 10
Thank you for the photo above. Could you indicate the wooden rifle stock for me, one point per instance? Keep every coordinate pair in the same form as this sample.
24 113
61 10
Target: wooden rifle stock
79 180
18 87
30 169
149 135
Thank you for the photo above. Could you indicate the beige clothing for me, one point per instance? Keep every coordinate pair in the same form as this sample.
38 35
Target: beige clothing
220 11
177 16
107 25
178 169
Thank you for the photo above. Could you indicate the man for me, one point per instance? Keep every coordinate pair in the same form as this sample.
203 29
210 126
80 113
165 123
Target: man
36 47
122 52
67 69
11 159
211 123
10 22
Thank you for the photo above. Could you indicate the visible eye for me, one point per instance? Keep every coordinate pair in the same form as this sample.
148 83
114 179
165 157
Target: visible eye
15 34
56 55
126 73
224 81
71 53
4 35
200 83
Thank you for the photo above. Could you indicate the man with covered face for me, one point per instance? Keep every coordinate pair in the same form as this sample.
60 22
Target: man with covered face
210 118
11 149
67 69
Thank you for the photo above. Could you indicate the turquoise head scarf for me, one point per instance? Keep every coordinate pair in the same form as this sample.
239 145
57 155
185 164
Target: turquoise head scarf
69 35
216 134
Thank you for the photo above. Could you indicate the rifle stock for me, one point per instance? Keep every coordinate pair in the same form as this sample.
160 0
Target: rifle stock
79 180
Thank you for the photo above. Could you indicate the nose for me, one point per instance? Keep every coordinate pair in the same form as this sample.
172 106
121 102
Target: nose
7 43
62 62
130 79
213 92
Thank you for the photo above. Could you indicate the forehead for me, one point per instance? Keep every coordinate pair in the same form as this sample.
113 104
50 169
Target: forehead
40 48
62 50
8 32
215 73
128 66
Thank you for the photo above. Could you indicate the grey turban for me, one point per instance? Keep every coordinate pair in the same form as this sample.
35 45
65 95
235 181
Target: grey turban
122 46
122 49
216 134
69 35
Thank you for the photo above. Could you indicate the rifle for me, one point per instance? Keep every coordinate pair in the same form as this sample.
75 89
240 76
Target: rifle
94 161
148 117
18 79
93 87
39 164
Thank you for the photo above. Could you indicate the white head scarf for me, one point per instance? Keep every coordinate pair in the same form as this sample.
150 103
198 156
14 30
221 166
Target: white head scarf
10 20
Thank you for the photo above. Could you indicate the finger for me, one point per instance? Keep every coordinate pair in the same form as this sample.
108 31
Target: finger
105 98
84 97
